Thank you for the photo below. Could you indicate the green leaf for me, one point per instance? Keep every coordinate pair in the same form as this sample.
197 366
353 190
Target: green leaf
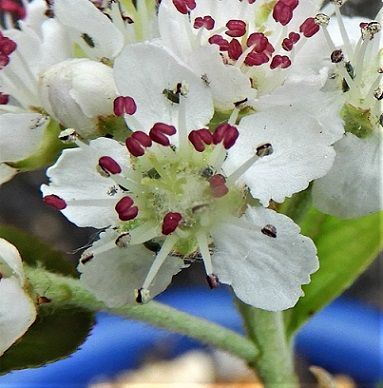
56 334
58 331
34 251
345 250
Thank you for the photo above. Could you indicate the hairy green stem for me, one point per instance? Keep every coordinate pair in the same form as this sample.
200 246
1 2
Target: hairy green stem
62 290
274 363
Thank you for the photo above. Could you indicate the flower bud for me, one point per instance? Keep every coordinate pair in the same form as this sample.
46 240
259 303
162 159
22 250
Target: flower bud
77 92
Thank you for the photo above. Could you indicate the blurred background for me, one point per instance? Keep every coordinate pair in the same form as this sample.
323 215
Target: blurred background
21 206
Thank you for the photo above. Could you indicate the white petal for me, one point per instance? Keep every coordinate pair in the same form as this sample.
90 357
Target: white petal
112 276
304 95
20 135
300 155
56 46
10 261
17 312
354 185
227 83
138 75
264 272
84 18
74 177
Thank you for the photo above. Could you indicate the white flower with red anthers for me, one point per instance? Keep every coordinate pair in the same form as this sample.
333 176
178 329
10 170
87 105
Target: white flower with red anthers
17 310
101 27
354 186
166 198
242 48
36 83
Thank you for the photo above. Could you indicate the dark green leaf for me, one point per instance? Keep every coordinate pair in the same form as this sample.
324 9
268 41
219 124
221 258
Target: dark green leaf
56 334
345 249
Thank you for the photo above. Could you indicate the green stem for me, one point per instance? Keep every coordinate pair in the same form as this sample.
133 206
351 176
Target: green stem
274 364
68 291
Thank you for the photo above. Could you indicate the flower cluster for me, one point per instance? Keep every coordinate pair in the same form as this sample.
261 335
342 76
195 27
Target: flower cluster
185 122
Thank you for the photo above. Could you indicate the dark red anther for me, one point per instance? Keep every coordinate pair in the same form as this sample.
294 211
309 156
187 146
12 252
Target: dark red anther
143 138
291 3
124 105
109 165
258 40
200 138
4 60
184 6
235 49
13 7
251 1
171 222
227 134
287 44
235 28
137 143
309 27
125 209
294 37
7 46
204 22
134 147
363 25
4 99
256 59
218 186
160 132
281 61
212 281
282 13
219 41
55 201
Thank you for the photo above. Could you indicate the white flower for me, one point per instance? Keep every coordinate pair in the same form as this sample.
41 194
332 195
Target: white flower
354 186
244 49
77 92
17 310
173 199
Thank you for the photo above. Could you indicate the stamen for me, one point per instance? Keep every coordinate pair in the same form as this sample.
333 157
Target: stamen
171 222
159 131
282 13
159 260
137 143
309 27
269 230
55 201
125 209
280 61
122 105
184 6
204 22
236 28
226 133
234 49
262 151
200 138
212 281
337 56
4 99
109 165
205 252
218 186
220 41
